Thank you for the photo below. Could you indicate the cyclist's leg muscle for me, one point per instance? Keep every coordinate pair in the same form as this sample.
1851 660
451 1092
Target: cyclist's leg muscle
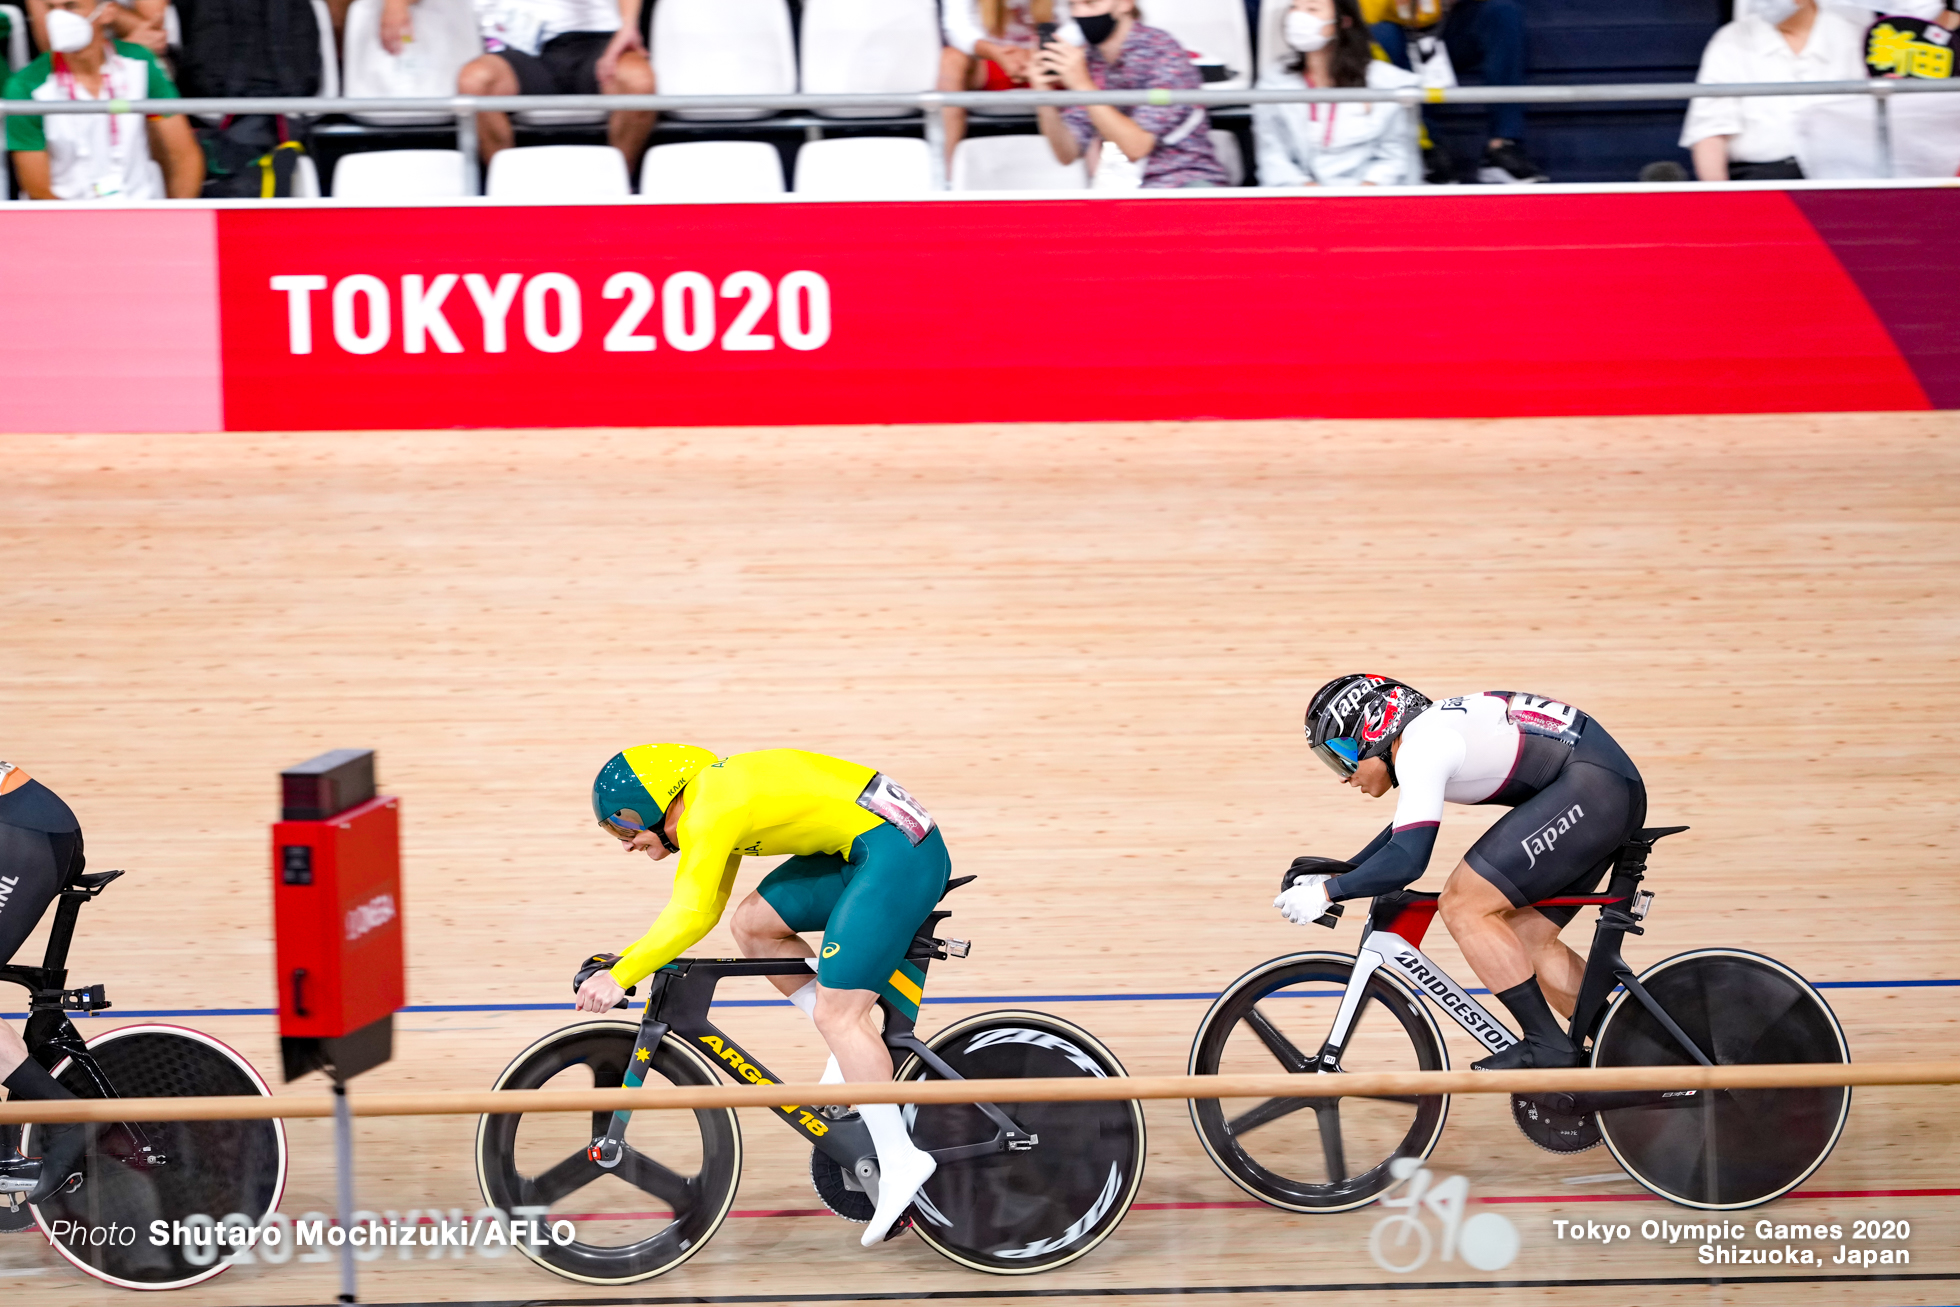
1559 968
33 867
1477 914
13 1050
844 1020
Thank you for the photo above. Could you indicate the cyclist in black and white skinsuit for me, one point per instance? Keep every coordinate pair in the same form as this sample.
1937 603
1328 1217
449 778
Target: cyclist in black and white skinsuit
1575 798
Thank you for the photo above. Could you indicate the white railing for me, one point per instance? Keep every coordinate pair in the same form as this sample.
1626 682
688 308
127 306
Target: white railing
464 108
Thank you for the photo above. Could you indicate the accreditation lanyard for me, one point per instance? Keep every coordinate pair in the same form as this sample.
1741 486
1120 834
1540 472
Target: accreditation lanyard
66 81
1313 112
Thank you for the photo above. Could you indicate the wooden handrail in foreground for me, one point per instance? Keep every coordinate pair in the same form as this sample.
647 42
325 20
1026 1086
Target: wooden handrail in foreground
1070 1089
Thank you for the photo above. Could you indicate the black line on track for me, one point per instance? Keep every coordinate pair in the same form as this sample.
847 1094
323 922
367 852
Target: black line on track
1173 1291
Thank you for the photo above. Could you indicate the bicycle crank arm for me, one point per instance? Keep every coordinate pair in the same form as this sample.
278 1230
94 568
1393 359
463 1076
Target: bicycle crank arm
1000 1143
1580 1104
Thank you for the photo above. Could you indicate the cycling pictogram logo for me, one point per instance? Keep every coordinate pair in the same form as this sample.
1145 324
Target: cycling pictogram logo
1402 1243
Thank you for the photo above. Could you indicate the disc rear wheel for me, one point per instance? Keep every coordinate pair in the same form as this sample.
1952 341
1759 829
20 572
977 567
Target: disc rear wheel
197 1173
1728 1148
1014 1213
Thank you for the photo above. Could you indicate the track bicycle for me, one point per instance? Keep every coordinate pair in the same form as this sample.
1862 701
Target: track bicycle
197 1173
1021 1187
1718 1150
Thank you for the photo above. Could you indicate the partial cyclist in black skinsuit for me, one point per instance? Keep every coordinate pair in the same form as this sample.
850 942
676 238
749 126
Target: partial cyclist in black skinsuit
1575 798
40 851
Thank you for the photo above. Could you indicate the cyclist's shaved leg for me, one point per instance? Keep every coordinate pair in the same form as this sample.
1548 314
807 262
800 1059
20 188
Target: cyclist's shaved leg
760 932
1478 916
844 1017
1559 969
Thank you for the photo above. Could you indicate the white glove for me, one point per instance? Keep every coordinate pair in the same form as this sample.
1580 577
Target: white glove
1306 901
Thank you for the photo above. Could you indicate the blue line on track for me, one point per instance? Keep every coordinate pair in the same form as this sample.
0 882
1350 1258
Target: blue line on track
1194 996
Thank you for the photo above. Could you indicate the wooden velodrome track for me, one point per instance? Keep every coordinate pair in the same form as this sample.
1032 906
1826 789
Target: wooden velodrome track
1087 649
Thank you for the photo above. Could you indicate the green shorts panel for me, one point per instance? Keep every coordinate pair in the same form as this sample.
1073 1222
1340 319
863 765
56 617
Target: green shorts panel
868 906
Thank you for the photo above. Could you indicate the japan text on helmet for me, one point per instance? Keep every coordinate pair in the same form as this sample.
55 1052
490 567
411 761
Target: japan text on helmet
633 789
1358 716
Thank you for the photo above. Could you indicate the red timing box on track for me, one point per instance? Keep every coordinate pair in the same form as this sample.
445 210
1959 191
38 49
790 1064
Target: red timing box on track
337 912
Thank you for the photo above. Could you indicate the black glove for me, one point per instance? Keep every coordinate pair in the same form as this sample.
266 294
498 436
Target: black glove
592 966
1305 865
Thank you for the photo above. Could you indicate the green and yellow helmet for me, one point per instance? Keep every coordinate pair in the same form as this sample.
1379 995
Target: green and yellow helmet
643 780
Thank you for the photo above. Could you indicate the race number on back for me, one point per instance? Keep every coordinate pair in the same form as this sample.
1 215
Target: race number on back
1536 715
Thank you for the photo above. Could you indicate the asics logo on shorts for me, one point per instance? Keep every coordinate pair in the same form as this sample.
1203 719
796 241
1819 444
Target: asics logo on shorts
7 884
831 950
1546 837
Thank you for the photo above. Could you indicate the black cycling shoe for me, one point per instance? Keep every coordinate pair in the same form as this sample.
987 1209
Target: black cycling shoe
1527 1056
1506 164
61 1162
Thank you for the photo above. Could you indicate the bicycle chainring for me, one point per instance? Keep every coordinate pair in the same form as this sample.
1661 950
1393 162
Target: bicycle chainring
1555 1132
828 1178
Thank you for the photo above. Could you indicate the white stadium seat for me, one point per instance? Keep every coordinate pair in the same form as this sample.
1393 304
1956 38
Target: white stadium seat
306 178
711 170
445 37
870 45
1213 30
1273 53
1226 147
865 168
723 47
399 175
572 174
1014 163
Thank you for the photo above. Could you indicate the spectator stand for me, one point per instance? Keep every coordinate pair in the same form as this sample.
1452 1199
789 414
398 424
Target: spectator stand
837 45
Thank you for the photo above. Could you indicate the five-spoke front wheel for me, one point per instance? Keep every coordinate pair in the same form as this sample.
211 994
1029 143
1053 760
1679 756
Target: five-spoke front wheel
1315 1153
670 1189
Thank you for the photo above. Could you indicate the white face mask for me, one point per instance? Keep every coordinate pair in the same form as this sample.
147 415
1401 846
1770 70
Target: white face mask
1773 11
69 32
1306 33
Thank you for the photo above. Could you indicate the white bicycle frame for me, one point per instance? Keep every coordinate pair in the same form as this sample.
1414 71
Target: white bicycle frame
1385 948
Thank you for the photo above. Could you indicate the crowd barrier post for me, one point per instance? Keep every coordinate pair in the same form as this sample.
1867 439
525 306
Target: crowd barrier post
1881 105
466 141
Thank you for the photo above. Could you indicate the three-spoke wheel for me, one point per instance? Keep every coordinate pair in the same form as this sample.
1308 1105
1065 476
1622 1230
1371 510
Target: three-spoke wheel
1021 1211
1315 1154
1727 1148
670 1190
181 1172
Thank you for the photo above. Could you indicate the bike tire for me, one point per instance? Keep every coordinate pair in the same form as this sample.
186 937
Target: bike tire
209 1168
1734 1148
1287 1167
616 1242
1017 1213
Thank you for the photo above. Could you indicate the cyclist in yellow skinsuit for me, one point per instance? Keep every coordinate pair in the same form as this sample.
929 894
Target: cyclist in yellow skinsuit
868 865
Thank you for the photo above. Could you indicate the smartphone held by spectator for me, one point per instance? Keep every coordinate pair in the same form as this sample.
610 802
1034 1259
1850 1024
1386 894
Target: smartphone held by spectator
1156 146
990 46
106 156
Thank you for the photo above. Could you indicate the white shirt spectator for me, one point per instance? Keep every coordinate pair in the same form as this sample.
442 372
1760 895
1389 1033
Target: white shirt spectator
1336 144
527 24
963 26
1765 129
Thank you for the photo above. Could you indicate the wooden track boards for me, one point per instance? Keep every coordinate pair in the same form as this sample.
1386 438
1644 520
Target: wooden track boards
1087 649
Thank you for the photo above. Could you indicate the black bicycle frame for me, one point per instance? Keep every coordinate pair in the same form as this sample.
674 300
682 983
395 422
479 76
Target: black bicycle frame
678 1000
1607 970
51 1036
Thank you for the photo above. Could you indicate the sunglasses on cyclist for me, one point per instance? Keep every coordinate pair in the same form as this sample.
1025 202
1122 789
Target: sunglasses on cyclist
622 827
1341 756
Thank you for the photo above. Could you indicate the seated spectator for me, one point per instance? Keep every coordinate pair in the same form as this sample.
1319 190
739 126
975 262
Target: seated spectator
1149 145
989 45
552 47
250 47
1482 36
98 156
1335 144
1758 138
140 22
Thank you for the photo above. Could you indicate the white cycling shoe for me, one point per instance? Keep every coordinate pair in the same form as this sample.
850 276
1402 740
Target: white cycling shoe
902 1168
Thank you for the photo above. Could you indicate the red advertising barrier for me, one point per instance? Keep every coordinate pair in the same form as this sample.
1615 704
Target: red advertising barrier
1452 303
1044 310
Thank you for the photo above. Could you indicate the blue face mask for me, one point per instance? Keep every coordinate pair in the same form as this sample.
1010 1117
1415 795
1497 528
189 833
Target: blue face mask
1097 28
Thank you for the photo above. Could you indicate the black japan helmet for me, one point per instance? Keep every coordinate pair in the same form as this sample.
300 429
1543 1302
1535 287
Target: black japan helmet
1358 716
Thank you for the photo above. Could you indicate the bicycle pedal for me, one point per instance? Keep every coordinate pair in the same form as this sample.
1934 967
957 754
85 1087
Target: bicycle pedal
900 1226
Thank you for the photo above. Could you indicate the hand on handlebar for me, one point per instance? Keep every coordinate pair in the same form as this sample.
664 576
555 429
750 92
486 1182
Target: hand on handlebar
1306 901
594 984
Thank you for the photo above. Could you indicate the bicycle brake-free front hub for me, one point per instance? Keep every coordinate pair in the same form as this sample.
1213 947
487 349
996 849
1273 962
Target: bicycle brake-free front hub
606 1151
